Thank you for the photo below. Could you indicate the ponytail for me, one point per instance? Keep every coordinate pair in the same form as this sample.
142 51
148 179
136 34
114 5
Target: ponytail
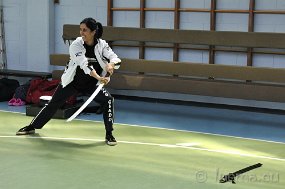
99 30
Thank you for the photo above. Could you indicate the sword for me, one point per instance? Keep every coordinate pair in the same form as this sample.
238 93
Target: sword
231 176
87 101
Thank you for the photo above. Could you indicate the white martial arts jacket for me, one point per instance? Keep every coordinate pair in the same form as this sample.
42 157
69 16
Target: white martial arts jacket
77 58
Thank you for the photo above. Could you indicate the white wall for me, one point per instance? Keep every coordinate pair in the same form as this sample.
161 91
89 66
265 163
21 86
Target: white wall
15 15
38 22
73 12
28 37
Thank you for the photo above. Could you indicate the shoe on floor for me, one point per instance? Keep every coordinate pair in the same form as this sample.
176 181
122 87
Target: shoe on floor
19 102
26 131
12 101
110 140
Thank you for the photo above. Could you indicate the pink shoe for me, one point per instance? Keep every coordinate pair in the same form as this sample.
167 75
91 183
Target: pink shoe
19 102
12 101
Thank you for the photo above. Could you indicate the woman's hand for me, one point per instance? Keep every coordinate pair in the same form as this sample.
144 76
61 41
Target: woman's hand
110 68
104 80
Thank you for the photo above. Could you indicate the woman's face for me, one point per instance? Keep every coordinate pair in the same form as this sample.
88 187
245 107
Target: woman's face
86 34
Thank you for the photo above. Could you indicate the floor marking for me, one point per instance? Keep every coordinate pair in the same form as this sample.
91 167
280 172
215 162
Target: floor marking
152 144
188 144
169 129
189 131
11 112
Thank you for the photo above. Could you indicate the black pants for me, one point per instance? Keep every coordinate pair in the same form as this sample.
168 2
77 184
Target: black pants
104 98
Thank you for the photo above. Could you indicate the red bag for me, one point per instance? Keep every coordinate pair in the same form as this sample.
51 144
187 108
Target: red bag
42 87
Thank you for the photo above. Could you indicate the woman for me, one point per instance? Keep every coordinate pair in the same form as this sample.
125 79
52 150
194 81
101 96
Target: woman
90 59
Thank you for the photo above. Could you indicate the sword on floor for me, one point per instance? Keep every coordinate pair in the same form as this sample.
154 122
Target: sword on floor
231 176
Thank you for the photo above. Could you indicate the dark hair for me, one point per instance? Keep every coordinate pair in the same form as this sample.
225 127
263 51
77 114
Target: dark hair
93 25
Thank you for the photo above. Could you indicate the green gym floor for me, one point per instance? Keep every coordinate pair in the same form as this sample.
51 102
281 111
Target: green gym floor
74 156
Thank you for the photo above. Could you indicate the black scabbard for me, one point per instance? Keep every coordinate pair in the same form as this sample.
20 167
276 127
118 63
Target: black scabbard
231 176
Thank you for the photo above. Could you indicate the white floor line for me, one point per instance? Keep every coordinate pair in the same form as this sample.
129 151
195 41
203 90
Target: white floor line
12 112
189 131
152 144
152 127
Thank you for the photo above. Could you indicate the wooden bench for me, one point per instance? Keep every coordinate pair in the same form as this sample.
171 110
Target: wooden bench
239 82
20 73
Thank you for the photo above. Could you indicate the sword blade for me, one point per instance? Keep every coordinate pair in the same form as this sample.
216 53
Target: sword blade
86 103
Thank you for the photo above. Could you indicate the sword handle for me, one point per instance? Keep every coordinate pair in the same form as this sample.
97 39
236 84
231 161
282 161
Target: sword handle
107 74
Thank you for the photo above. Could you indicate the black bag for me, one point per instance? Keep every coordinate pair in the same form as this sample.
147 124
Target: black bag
7 88
21 91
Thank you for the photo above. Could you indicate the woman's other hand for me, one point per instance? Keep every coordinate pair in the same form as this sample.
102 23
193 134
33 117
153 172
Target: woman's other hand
104 80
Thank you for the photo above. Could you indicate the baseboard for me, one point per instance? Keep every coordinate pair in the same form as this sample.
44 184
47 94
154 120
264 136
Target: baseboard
63 113
186 99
